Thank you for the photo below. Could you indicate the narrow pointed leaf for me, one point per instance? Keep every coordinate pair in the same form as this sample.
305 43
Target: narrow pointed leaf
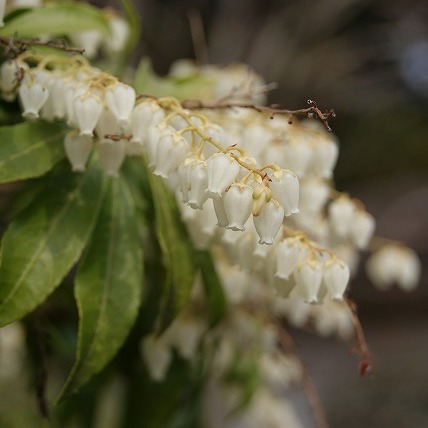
217 304
108 285
177 251
55 20
44 241
29 149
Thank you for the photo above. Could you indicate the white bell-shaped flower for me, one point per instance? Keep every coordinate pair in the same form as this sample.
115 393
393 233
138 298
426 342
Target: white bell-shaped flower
289 252
336 277
77 148
141 117
171 150
394 264
120 100
157 355
222 171
341 214
284 185
9 72
184 334
308 276
198 180
324 158
314 194
32 97
363 226
151 142
107 124
86 112
90 40
112 154
220 212
269 221
238 203
297 156
119 33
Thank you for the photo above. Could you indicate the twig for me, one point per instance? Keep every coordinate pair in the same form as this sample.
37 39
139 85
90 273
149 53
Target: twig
308 385
312 111
16 45
365 365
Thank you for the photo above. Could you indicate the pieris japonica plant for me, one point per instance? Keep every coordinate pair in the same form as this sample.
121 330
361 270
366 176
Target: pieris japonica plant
163 232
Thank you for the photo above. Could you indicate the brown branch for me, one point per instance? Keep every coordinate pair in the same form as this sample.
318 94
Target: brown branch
365 365
288 344
14 46
311 111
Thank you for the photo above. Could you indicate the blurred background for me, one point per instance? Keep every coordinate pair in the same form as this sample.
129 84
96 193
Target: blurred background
367 59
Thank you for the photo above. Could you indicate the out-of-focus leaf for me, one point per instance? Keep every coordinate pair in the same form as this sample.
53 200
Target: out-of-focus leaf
217 304
44 241
56 20
108 285
29 149
177 252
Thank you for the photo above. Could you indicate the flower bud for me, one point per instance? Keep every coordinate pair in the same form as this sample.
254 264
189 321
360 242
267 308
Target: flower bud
238 203
222 171
269 221
32 97
336 277
170 152
261 196
362 229
220 212
120 99
308 276
341 215
289 252
86 112
112 154
297 156
77 148
198 180
284 185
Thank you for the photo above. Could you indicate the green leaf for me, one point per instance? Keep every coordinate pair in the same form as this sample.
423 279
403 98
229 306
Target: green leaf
217 304
177 251
56 20
44 241
108 285
29 149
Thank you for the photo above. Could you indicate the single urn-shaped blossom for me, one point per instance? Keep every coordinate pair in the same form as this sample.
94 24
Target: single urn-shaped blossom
77 148
141 118
171 150
362 229
119 33
157 355
107 124
394 264
289 252
9 72
33 96
284 185
308 276
222 171
341 213
325 154
297 156
336 277
86 113
120 100
220 212
314 194
269 221
112 154
238 203
198 181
